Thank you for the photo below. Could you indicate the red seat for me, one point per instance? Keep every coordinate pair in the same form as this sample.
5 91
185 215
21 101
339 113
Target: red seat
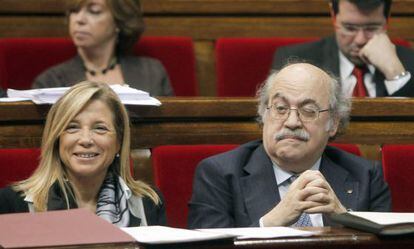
244 63
17 164
174 167
351 148
22 59
397 162
401 42
177 56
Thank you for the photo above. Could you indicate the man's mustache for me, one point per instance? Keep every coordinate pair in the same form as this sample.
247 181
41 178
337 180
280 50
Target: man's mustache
299 134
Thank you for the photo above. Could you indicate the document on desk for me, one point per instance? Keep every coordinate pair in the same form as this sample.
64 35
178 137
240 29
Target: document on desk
169 235
382 223
7 100
58 228
128 95
260 232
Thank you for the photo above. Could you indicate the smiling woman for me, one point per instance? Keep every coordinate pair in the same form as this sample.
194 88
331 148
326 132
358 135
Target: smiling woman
85 163
104 32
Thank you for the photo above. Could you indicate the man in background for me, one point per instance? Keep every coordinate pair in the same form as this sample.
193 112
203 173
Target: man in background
360 53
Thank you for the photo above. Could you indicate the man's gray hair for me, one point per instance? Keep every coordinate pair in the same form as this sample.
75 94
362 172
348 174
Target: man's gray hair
339 104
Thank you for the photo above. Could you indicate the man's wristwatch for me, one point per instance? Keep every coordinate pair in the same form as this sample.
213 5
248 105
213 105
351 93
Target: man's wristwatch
401 75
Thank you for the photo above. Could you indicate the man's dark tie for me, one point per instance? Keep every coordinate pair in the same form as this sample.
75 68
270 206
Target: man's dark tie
304 219
359 89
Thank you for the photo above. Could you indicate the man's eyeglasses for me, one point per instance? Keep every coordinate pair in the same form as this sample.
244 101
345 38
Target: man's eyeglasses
353 29
306 113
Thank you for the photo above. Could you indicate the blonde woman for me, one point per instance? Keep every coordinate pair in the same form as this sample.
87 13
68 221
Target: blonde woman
85 163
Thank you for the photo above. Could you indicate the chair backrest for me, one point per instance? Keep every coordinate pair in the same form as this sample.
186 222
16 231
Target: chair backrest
174 167
177 56
22 59
351 148
17 164
401 42
397 162
242 64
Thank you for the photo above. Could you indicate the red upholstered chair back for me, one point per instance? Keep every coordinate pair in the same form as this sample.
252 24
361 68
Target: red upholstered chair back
397 162
401 42
177 56
22 59
351 148
17 164
174 167
242 64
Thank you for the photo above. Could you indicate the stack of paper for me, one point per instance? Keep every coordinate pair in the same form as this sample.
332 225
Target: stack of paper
168 235
128 95
260 232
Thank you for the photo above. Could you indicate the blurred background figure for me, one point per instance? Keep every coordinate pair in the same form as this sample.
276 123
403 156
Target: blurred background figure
2 93
104 32
360 52
85 163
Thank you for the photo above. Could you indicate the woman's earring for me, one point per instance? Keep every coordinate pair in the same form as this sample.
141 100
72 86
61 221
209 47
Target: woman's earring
117 155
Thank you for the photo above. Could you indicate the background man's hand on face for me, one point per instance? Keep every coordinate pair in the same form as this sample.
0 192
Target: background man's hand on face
381 52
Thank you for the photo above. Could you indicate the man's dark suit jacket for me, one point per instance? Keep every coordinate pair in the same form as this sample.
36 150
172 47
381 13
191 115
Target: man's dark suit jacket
324 54
236 188
13 202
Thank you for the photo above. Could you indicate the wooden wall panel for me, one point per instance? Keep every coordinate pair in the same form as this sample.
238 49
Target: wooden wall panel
215 120
203 28
213 7
37 26
206 72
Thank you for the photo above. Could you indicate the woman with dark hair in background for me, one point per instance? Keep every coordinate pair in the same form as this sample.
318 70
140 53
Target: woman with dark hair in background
104 33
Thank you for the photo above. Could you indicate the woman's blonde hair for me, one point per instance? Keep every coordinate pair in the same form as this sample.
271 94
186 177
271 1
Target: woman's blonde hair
51 168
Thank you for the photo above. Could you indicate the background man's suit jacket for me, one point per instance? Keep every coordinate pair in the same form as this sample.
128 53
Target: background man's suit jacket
324 54
236 188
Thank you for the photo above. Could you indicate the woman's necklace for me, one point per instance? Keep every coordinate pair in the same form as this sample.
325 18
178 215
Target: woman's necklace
110 66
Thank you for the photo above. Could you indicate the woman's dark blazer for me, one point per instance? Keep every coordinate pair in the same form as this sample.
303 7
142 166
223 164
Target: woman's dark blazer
143 73
13 202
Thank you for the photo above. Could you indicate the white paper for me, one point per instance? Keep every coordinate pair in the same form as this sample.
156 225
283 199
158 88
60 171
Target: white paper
165 235
14 99
149 101
128 95
260 232
386 218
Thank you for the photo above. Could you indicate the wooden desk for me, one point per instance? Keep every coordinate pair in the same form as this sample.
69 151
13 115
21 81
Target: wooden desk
215 121
337 238
328 238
